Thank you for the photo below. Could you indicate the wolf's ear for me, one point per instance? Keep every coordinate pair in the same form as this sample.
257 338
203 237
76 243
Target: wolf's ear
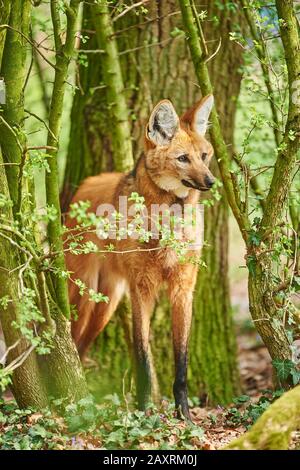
163 123
197 116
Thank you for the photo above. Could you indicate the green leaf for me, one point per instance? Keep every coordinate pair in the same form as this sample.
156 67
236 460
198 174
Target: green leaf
251 264
254 238
176 32
154 422
116 436
74 423
241 399
296 283
37 430
283 368
197 432
295 376
113 398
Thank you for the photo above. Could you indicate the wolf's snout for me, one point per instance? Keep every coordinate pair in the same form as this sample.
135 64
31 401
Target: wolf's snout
209 181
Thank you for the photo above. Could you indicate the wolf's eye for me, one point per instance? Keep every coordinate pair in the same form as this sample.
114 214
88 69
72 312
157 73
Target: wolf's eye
183 159
203 156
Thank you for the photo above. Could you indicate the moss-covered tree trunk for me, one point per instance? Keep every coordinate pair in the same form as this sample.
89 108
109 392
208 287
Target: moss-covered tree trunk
60 373
155 64
4 19
62 369
27 383
262 281
273 429
13 70
26 380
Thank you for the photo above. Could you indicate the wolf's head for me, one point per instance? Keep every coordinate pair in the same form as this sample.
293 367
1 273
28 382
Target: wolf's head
177 153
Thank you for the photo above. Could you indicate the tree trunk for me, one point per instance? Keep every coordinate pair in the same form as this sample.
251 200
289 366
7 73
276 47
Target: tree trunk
26 380
4 19
150 54
262 277
273 429
27 384
114 87
62 371
13 69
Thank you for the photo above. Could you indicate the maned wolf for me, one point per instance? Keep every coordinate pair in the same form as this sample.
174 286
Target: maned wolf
173 169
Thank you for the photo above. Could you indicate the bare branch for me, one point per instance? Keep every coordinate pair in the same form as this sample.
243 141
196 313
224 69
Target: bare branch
129 8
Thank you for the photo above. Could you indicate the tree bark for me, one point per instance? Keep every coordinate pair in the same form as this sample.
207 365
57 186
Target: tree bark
261 283
4 19
27 384
62 60
85 155
261 277
115 97
62 371
13 69
26 380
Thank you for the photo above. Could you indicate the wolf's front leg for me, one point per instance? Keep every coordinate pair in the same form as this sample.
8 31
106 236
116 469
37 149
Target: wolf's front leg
181 286
142 306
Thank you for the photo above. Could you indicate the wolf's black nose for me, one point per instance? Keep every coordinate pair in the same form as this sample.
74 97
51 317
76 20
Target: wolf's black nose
209 181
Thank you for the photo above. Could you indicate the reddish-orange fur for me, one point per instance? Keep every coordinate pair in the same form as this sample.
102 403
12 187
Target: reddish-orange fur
142 273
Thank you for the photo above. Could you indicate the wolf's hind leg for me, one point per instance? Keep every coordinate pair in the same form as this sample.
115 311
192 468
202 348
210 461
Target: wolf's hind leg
101 314
142 302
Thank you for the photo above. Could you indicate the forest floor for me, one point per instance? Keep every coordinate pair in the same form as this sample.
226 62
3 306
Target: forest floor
115 424
223 424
